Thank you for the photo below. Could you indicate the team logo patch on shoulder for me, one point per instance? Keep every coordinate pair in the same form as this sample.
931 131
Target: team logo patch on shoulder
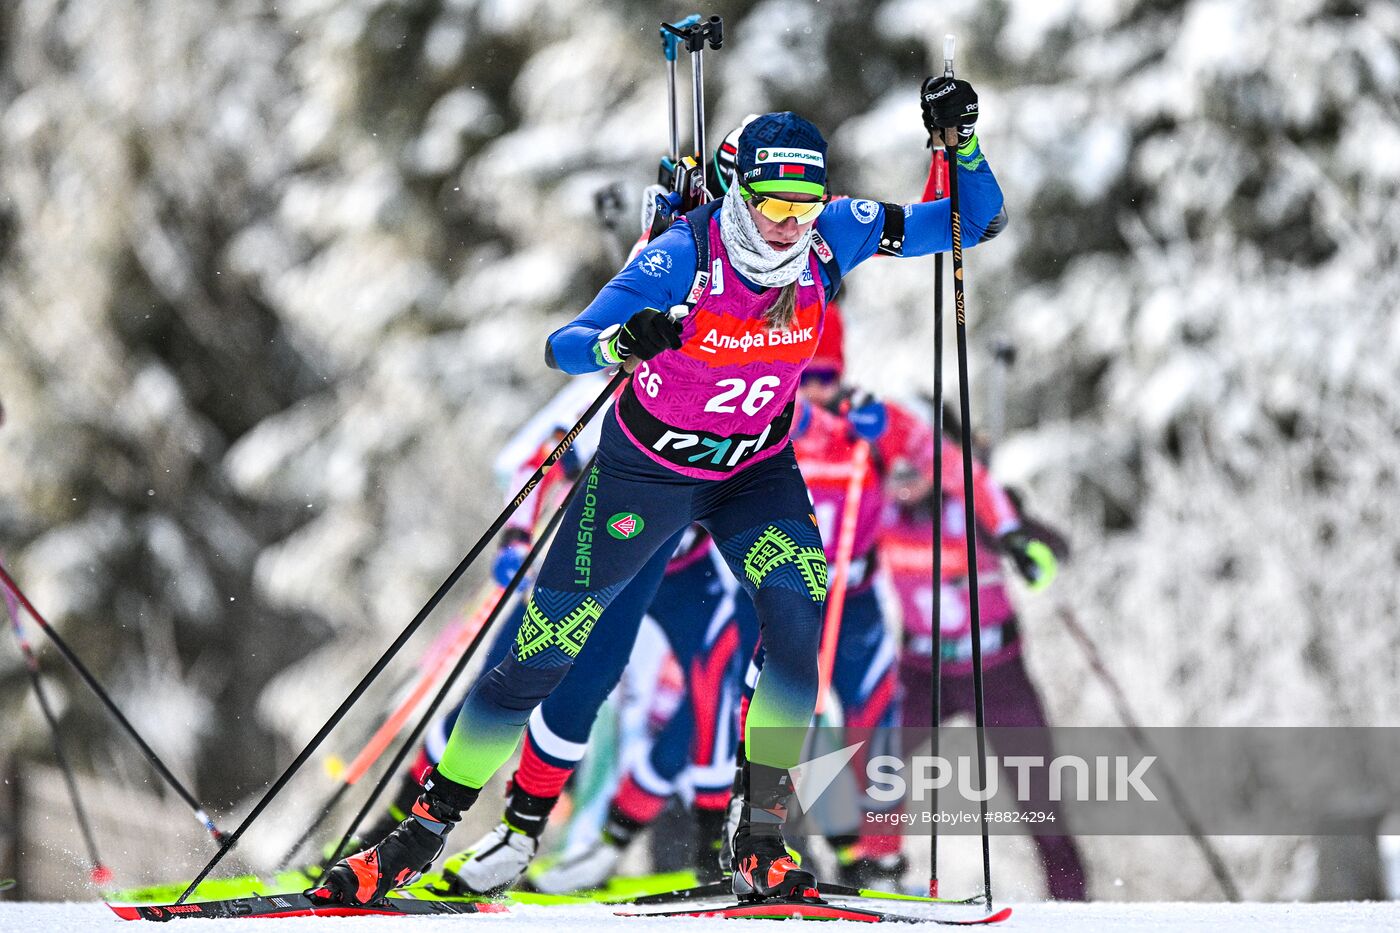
865 211
655 263
626 525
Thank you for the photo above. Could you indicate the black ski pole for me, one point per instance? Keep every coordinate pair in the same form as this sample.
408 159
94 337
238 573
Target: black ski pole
99 874
555 456
199 813
410 742
969 504
940 179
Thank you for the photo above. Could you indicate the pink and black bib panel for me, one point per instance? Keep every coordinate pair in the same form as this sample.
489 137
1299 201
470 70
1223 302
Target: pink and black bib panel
724 400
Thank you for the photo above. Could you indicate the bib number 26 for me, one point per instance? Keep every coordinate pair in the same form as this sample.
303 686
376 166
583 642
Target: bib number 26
756 395
647 380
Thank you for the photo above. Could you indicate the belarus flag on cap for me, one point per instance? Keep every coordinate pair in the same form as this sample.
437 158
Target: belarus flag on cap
790 171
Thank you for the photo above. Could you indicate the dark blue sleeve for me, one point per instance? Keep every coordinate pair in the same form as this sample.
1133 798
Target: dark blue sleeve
852 226
658 277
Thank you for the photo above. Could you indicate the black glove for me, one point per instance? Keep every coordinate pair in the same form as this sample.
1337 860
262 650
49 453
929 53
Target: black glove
1033 559
949 102
646 334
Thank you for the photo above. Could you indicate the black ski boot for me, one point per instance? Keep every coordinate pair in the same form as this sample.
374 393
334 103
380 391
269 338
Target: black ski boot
762 867
402 856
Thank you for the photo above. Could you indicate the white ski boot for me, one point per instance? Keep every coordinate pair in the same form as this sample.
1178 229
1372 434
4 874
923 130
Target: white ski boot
501 856
493 864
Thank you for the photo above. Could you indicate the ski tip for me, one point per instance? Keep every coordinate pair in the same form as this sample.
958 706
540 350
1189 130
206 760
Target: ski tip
125 911
998 917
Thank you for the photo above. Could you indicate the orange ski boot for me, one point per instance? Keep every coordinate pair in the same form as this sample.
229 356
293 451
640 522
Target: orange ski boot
402 856
763 869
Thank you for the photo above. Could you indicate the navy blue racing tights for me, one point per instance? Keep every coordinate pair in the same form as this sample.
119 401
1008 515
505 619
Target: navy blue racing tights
628 508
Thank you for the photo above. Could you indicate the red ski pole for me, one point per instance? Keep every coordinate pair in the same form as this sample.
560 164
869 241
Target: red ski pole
840 574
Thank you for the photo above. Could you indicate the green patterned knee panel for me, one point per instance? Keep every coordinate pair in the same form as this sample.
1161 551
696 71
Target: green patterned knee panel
774 550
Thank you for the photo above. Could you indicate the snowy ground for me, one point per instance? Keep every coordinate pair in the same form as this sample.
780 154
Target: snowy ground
1277 918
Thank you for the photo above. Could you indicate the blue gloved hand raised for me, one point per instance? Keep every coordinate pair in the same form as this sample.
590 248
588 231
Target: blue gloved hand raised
867 416
511 557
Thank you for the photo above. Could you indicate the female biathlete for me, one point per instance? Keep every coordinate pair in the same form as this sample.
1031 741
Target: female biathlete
699 435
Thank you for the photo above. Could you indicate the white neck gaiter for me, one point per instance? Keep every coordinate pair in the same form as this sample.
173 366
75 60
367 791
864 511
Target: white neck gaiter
751 254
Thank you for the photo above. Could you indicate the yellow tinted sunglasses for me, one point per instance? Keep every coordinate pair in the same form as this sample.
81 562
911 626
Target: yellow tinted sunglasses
779 209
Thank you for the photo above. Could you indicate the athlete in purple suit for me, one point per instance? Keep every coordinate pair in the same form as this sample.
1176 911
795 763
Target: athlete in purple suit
700 434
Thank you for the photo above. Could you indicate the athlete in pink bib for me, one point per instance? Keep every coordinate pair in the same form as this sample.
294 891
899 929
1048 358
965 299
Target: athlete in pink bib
700 435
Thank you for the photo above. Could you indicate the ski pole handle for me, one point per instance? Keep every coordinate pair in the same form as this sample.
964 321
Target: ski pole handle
672 34
950 44
695 34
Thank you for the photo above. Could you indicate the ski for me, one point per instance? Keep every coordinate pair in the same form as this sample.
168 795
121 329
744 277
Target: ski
680 895
297 905
722 889
624 889
813 910
838 890
437 888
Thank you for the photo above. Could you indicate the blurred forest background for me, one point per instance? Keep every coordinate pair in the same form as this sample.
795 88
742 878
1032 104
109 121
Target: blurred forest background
275 278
